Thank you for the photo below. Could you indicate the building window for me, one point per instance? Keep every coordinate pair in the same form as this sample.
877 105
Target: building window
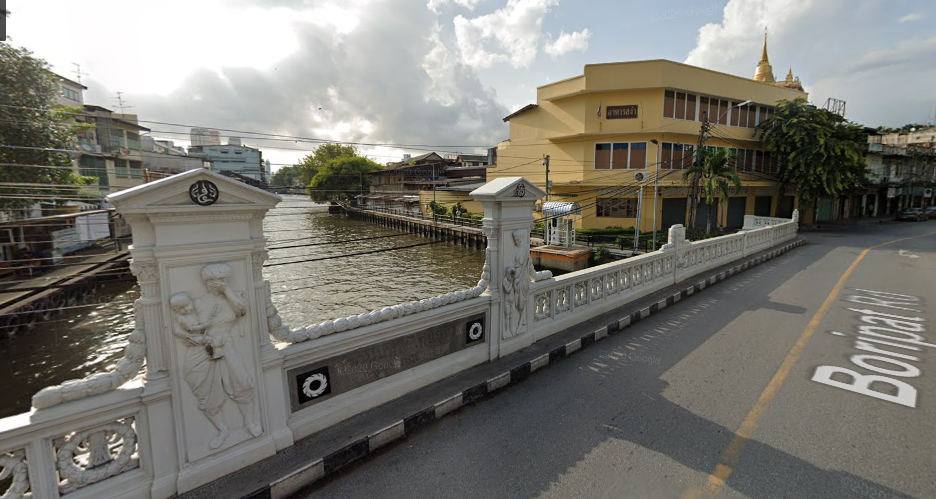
669 100
691 107
723 112
91 166
121 168
679 105
616 207
133 141
620 155
116 139
638 155
602 156
71 94
676 156
136 169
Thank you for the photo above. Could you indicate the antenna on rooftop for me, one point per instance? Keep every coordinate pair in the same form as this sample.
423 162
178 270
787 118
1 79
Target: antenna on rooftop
77 71
121 103
835 106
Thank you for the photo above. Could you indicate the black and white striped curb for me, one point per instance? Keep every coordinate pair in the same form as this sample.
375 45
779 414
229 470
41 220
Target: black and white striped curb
358 449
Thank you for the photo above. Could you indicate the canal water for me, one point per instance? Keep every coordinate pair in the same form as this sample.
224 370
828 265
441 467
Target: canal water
321 266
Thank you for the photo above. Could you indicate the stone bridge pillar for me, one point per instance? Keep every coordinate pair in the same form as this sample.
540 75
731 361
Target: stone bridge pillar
214 394
508 219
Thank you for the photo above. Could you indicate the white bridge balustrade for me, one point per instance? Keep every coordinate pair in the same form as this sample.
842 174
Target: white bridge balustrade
227 384
755 222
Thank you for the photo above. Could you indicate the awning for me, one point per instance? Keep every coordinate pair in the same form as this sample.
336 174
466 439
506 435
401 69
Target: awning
561 209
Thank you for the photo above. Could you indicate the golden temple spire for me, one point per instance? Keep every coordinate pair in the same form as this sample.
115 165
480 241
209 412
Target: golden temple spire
763 57
764 72
789 75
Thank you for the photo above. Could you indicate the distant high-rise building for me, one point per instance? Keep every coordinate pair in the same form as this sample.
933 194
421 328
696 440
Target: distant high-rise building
204 137
234 141
246 161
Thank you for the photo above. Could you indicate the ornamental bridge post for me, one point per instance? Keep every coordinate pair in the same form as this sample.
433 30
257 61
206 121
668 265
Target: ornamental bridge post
214 392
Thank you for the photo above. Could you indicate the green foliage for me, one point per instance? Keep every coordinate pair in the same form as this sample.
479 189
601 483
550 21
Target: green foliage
718 175
438 209
27 90
311 164
819 150
601 253
287 176
341 177
609 231
458 207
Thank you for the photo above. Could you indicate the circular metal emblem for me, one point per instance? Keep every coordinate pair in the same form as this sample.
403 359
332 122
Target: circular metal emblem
475 331
318 390
521 190
203 193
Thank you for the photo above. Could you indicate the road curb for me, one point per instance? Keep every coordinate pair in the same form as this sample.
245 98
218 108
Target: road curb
326 466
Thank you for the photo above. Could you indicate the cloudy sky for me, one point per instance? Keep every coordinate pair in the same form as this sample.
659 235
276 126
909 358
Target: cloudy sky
441 74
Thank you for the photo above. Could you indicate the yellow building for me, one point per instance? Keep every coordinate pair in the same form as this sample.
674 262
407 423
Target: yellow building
622 128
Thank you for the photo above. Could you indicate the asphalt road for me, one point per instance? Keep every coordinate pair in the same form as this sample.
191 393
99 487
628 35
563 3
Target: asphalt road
718 396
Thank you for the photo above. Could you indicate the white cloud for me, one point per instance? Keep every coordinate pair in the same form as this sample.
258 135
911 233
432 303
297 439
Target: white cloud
886 79
734 45
508 34
915 16
567 42
468 4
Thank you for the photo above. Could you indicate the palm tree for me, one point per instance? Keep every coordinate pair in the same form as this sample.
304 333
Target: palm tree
718 175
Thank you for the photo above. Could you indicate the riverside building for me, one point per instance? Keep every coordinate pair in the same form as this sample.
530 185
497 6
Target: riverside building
614 130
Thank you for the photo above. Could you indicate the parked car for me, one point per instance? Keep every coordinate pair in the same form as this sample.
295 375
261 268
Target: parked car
930 211
912 214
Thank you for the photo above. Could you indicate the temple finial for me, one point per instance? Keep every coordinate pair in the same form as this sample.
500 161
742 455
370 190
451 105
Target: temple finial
764 72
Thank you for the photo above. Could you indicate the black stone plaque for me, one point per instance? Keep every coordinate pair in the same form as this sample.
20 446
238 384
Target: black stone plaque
366 365
203 193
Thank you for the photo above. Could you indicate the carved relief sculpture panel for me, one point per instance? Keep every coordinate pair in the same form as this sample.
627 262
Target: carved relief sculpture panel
518 274
209 325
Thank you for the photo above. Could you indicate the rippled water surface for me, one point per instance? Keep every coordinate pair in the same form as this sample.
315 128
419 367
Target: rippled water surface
312 275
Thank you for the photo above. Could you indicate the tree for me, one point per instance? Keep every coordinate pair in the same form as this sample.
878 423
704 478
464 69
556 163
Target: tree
33 134
716 170
286 176
341 177
819 150
311 164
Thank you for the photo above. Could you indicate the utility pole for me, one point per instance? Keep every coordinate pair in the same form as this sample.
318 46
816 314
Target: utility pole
546 164
694 186
656 178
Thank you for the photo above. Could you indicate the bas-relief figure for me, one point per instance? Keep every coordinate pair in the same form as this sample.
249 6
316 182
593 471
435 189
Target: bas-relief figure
213 369
517 276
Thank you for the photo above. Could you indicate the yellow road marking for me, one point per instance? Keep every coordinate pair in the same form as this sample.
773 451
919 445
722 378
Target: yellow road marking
731 454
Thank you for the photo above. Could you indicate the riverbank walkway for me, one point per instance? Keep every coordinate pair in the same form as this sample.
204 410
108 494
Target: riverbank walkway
17 293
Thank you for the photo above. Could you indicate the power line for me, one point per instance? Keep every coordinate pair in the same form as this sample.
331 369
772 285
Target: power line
382 250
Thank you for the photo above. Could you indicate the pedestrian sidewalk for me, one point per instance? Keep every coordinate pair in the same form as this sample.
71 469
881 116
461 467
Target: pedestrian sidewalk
329 450
848 222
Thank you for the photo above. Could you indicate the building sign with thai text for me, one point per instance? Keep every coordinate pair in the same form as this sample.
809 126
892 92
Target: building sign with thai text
621 112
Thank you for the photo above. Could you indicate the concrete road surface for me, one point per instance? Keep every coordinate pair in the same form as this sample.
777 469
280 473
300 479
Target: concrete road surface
811 376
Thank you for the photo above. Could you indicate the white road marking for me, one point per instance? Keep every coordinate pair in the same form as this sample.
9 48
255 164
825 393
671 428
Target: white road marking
907 254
